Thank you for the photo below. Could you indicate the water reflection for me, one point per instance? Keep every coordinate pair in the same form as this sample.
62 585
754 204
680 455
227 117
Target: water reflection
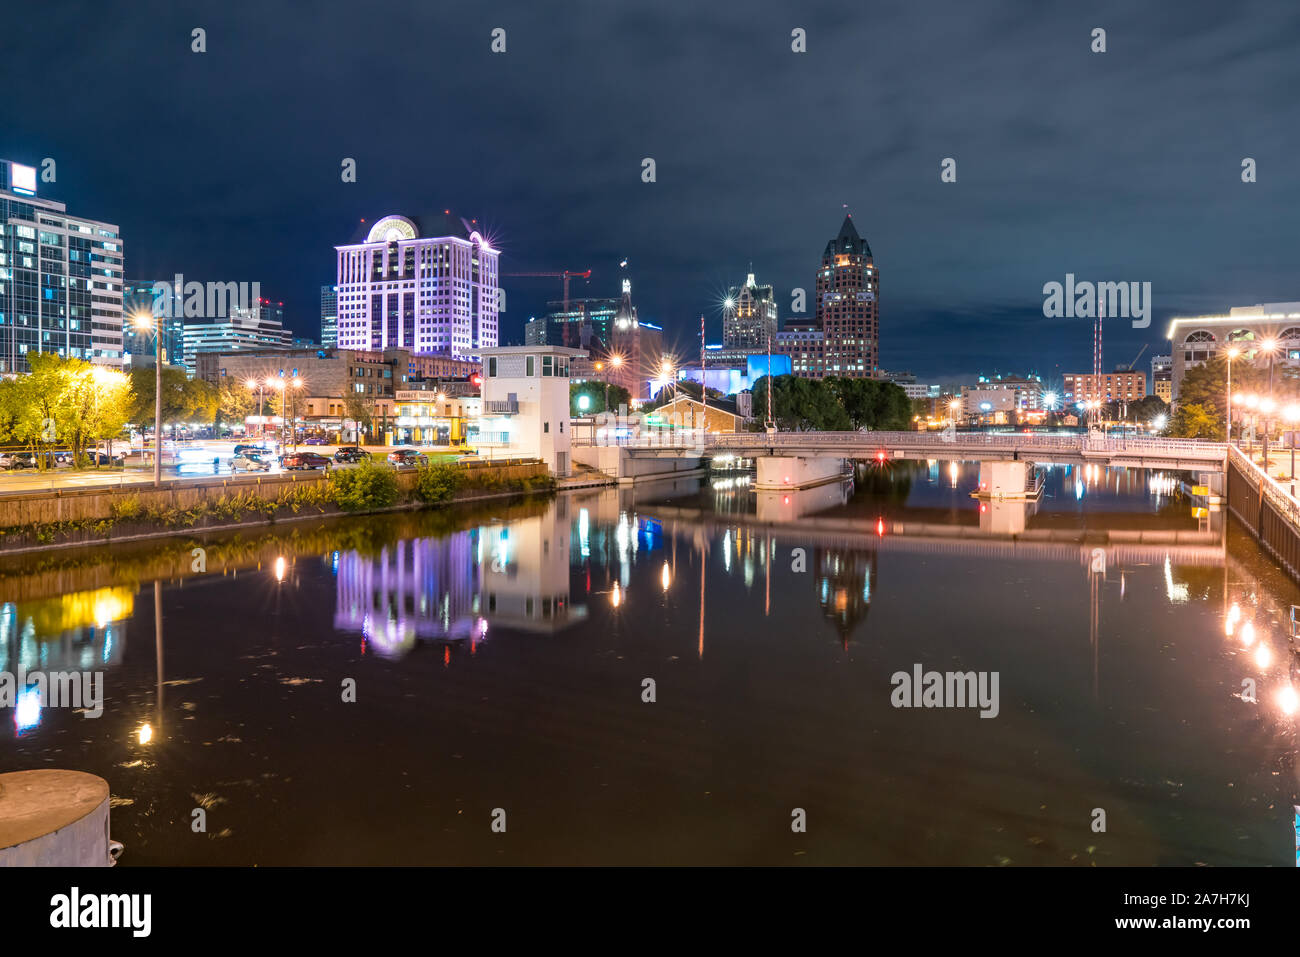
1145 646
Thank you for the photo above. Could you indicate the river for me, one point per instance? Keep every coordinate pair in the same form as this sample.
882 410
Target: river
684 672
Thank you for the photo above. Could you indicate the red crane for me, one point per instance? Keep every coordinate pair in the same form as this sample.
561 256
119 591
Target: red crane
565 274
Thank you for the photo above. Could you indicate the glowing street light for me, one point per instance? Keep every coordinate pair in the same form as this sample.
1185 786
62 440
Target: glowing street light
1232 353
146 321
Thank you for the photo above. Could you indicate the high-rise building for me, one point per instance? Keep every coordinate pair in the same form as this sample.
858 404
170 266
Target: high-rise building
427 285
586 324
329 316
1122 385
847 287
1162 377
749 319
243 329
804 342
270 311
60 278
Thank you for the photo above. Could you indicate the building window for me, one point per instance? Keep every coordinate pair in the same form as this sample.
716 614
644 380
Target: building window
546 427
492 367
548 363
530 366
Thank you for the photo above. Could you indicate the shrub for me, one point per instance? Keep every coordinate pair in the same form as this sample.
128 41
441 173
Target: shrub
437 484
125 508
368 486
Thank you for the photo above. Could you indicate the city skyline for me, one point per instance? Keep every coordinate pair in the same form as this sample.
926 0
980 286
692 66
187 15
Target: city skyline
967 260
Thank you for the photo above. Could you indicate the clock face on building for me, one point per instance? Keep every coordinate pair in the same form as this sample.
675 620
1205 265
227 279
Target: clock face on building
390 229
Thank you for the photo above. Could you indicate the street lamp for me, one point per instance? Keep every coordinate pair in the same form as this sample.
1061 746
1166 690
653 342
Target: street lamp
296 384
146 320
953 406
278 384
1266 406
1232 353
1269 346
1292 414
256 385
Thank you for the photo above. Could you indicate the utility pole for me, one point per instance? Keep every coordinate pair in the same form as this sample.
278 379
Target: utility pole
157 402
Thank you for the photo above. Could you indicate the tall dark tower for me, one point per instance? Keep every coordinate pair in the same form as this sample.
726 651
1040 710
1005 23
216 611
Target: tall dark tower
847 285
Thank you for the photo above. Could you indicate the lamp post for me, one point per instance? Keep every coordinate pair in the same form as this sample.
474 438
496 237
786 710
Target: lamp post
278 384
254 384
1251 402
293 426
147 320
1266 406
1292 414
1269 345
617 363
1232 353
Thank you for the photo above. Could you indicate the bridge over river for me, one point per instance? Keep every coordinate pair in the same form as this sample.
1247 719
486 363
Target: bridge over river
805 459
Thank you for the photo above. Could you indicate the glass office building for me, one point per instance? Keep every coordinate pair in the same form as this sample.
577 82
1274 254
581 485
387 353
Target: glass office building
60 278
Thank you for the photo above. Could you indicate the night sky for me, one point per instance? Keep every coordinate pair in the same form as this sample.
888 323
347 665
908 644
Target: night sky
1117 166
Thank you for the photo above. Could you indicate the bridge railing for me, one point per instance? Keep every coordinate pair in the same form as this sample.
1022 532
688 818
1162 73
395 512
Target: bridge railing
1188 448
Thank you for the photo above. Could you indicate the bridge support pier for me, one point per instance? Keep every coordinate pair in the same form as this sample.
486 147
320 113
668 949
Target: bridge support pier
1004 480
776 472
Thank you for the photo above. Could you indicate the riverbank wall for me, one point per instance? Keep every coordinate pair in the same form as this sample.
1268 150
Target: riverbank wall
69 517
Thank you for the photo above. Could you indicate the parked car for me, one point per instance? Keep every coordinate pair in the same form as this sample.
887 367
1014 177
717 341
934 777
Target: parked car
351 453
303 460
407 458
315 440
250 461
30 460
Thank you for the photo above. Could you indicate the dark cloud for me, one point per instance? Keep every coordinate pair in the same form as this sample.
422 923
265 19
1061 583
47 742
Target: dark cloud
1123 165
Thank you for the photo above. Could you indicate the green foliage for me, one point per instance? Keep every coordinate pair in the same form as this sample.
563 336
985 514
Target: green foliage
437 484
183 399
832 405
1195 421
63 403
125 508
596 392
368 486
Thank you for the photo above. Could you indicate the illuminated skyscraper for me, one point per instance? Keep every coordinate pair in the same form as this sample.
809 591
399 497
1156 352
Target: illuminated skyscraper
427 285
847 287
750 316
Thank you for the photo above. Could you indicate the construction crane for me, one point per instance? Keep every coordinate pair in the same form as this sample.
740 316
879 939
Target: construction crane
565 274
1136 358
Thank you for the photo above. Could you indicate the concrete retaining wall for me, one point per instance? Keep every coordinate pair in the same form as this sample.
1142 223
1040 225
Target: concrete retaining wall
621 464
95 503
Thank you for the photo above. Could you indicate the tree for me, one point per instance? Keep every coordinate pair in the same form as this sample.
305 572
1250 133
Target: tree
1195 421
235 403
360 410
64 403
595 392
183 399
95 407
